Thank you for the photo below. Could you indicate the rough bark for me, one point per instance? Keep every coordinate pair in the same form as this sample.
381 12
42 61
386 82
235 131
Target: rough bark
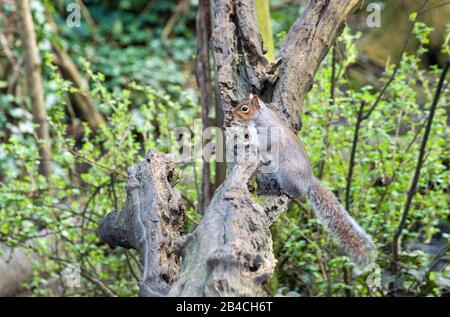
149 222
230 251
34 83
240 63
241 68
305 46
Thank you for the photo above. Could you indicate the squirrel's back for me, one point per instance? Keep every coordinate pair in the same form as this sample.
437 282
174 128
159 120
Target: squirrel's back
292 171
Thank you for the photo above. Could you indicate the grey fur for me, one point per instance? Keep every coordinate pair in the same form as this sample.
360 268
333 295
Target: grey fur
295 178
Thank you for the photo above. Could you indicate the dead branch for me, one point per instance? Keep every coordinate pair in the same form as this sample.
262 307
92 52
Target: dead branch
149 222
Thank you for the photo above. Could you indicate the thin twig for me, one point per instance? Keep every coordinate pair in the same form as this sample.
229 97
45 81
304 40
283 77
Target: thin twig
351 167
93 163
98 283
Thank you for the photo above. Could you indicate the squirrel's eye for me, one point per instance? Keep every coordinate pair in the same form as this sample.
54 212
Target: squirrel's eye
244 109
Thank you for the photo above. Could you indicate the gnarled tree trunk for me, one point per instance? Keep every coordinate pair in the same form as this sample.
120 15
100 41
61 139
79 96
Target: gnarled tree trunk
230 251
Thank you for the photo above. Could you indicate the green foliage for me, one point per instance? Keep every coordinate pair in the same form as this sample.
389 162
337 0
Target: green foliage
389 141
61 217
126 45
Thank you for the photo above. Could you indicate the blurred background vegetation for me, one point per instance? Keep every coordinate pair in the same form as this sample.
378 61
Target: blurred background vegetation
133 61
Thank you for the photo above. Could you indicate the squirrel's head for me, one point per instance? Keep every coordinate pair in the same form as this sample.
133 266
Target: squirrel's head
247 109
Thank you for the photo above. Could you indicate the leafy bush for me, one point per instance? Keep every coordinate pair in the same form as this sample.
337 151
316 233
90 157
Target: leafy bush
58 219
386 156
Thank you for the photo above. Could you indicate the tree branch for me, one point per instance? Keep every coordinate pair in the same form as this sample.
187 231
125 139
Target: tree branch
203 75
351 165
230 252
149 222
240 63
306 45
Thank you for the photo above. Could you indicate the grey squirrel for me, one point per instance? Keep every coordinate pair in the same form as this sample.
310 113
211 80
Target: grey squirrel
295 178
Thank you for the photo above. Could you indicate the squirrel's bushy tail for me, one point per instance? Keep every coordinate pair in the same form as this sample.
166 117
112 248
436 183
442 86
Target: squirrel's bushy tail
350 236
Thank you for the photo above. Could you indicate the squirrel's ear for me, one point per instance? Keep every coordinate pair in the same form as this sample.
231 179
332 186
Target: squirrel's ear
255 102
